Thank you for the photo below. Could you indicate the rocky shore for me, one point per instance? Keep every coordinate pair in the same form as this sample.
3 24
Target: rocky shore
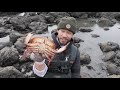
103 62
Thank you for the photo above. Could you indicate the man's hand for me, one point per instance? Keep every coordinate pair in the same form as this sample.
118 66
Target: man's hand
37 57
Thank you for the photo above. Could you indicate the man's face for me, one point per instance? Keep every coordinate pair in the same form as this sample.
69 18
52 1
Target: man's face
64 36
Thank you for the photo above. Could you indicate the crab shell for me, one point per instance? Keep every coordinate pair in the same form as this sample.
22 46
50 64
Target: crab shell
44 40
48 45
44 45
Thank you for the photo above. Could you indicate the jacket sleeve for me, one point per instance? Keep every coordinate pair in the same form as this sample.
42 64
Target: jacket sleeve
75 69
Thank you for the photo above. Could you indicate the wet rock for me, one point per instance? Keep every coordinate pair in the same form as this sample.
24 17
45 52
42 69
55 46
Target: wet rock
85 16
31 13
9 56
54 17
85 30
4 32
109 56
118 54
20 23
5 44
34 25
114 20
109 46
117 61
8 26
14 35
95 35
102 66
3 20
38 27
112 69
106 28
10 72
50 19
90 67
24 67
58 14
105 22
77 45
117 17
85 75
19 45
30 74
109 15
85 58
117 58
77 40
76 14
8 13
37 18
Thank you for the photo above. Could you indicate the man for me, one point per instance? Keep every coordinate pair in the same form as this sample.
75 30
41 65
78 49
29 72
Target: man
65 64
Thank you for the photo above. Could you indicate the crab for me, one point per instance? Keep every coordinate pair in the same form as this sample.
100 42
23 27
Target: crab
43 46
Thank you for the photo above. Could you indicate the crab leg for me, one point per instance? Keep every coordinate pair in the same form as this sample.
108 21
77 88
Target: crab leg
33 44
26 53
49 51
27 39
49 59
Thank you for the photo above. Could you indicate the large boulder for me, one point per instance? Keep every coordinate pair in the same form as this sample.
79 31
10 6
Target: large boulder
38 27
4 32
113 69
21 23
10 72
117 58
3 20
104 22
19 45
85 58
9 56
24 67
5 44
54 17
8 13
109 56
77 40
14 35
76 14
117 17
109 46
117 61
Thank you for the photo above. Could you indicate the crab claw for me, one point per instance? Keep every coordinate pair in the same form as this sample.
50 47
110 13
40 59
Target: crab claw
62 48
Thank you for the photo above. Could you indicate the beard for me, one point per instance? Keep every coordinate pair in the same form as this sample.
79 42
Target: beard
63 41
